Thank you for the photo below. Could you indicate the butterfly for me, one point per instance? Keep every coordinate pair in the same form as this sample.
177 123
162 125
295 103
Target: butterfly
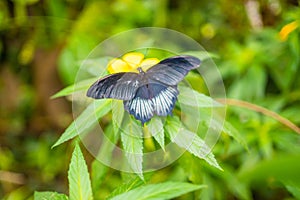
146 93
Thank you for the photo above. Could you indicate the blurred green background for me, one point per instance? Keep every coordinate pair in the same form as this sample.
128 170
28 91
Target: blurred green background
258 48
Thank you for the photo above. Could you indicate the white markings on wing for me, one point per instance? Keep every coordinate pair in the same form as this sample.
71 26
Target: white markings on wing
142 109
164 101
162 104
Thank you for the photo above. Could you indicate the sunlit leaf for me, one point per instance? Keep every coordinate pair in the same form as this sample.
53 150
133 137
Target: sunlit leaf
117 115
86 120
78 176
189 141
132 141
167 190
49 196
190 97
127 186
80 86
156 129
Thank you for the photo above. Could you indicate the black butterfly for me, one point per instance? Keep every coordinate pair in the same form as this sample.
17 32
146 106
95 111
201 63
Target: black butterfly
149 93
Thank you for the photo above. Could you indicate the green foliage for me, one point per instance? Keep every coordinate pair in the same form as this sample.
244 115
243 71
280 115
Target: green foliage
189 141
78 176
88 118
156 129
79 181
258 155
131 136
49 196
165 190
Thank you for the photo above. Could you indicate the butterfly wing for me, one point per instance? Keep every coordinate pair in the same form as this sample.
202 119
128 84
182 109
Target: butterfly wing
150 99
121 86
172 70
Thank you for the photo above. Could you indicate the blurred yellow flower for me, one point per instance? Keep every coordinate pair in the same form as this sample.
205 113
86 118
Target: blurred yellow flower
287 29
130 62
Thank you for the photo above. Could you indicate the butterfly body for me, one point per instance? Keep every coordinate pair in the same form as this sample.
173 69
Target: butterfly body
149 93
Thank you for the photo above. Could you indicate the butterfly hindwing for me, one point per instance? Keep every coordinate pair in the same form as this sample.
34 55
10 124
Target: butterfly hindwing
165 100
172 70
121 86
150 99
149 93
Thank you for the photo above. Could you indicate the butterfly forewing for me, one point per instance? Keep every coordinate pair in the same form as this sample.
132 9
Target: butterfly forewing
172 70
121 86
149 93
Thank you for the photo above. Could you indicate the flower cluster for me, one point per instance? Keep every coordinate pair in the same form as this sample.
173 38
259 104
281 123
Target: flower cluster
130 62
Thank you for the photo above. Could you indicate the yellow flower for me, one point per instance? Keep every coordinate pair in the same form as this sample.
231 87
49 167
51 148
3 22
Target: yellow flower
287 29
130 62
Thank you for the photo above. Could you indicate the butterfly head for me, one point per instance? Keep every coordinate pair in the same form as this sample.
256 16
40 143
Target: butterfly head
141 71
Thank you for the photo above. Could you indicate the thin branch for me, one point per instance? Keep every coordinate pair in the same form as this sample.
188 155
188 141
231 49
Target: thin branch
250 106
12 177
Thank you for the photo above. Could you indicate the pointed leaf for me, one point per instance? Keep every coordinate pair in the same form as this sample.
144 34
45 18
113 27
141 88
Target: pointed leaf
117 115
156 129
189 141
78 176
86 120
167 190
80 86
127 186
49 196
227 128
190 97
131 136
231 131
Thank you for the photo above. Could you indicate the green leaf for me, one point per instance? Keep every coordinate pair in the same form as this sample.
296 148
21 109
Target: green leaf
159 191
78 176
283 167
117 115
156 129
127 186
225 127
293 188
131 136
231 131
86 120
189 141
99 169
96 66
80 86
221 125
190 97
49 196
236 186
